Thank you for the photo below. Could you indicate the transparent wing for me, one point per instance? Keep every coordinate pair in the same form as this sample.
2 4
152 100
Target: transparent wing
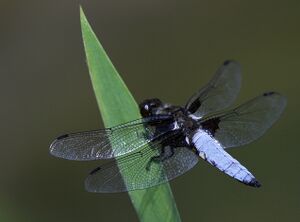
111 142
141 169
219 93
247 122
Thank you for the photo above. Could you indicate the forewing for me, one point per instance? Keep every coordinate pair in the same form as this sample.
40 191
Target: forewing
219 93
139 170
247 122
111 142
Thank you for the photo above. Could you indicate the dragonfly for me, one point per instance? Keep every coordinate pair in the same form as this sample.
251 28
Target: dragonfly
169 140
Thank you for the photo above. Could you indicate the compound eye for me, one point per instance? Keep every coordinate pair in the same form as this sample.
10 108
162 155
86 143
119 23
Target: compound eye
144 110
147 106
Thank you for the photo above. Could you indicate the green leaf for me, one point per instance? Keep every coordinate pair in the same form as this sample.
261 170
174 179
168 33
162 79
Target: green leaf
117 105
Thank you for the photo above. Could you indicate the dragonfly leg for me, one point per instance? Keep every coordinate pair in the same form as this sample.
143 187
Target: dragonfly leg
166 153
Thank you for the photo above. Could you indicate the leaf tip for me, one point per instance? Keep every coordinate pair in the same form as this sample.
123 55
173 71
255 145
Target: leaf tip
81 11
82 15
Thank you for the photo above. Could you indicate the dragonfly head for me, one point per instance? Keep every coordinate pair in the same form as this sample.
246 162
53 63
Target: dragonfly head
152 107
149 107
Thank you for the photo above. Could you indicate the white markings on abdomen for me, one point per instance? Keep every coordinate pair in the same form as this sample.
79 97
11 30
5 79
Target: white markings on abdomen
211 150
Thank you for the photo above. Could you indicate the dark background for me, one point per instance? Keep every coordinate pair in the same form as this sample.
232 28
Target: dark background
166 49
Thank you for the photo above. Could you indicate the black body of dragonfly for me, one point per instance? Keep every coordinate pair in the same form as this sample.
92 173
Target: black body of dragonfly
169 140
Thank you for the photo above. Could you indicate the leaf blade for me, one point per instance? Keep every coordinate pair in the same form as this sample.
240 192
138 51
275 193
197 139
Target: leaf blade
117 106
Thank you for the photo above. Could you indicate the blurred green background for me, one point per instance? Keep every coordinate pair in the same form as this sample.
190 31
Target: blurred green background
166 49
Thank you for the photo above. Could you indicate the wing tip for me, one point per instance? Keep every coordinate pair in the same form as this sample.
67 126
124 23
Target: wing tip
275 95
88 187
52 145
91 185
55 148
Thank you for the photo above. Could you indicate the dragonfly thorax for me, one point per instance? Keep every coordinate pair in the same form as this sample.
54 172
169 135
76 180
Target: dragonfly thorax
155 107
184 121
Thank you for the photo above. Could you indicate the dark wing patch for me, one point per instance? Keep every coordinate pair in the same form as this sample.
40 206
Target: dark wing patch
194 106
211 125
